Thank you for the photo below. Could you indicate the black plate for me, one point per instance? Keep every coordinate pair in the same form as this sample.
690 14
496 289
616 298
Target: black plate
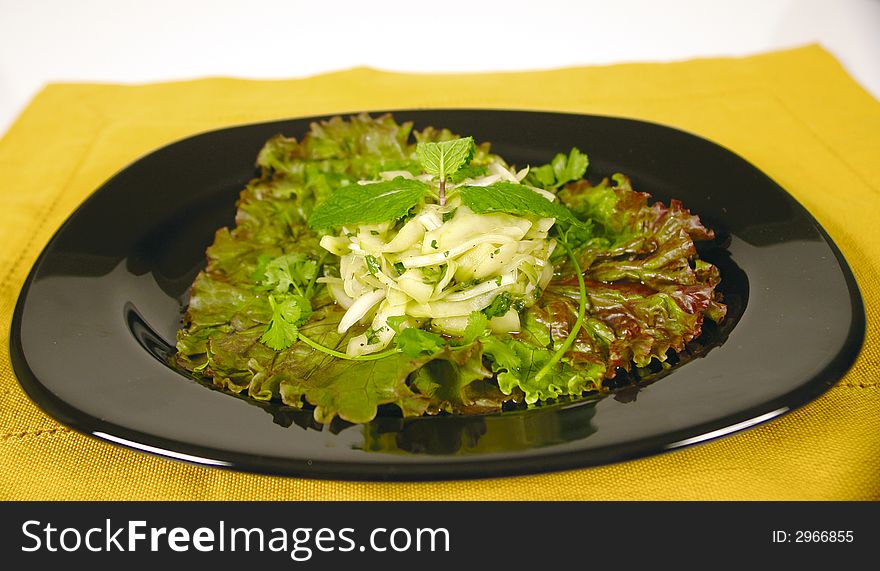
98 314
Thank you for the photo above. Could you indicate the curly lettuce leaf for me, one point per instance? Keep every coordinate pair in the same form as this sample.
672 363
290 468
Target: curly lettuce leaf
516 364
455 381
647 292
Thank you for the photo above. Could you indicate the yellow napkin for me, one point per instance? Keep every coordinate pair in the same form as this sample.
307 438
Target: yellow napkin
795 114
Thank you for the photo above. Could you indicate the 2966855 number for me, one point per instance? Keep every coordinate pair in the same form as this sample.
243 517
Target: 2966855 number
805 536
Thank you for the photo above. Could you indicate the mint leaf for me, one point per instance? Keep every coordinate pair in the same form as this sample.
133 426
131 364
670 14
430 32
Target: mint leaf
446 157
287 314
514 199
368 204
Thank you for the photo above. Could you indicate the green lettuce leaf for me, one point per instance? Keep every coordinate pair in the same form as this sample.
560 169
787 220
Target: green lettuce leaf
516 363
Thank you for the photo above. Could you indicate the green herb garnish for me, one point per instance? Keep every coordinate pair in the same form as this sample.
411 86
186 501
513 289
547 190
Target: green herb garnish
445 158
288 313
290 270
561 170
499 306
514 199
373 265
369 203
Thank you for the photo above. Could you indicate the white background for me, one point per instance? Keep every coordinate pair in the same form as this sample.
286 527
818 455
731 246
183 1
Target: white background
139 41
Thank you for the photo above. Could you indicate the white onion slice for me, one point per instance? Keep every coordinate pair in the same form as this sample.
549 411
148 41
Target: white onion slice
441 257
359 309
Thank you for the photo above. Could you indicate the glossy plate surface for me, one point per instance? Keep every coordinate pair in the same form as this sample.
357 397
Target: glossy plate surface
97 316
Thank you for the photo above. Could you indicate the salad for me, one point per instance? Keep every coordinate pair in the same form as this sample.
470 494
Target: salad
372 266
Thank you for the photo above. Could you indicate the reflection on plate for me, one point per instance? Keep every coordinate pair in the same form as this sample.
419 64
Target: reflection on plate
96 320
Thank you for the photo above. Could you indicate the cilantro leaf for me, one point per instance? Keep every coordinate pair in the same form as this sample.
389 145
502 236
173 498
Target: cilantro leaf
368 204
514 199
446 157
414 342
542 176
288 312
499 306
571 168
476 325
561 170
395 322
289 270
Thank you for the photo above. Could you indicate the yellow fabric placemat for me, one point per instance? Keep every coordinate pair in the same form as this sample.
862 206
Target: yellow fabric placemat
795 114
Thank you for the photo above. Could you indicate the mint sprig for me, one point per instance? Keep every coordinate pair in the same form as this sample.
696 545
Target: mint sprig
368 204
445 158
514 199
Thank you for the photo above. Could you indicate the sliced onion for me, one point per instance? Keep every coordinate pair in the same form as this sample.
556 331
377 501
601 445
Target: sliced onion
430 221
507 323
447 277
441 257
359 309
338 293
336 245
391 175
411 233
482 288
486 180
436 309
413 283
498 169
545 193
384 334
451 325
